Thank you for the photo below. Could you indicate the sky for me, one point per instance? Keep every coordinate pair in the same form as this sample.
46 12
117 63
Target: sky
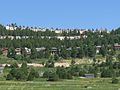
85 14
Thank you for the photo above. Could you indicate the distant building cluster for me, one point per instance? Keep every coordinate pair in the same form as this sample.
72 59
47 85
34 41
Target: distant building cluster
57 31
36 29
53 50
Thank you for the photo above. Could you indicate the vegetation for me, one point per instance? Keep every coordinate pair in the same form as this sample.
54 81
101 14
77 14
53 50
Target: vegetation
76 84
85 46
115 81
22 73
105 64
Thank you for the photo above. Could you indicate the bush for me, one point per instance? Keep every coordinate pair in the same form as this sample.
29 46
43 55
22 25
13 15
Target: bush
18 57
115 81
69 76
13 72
46 74
24 65
49 64
52 76
30 77
6 66
106 73
27 59
14 65
56 57
43 63
63 73
20 75
73 62
9 77
74 70
33 74
82 72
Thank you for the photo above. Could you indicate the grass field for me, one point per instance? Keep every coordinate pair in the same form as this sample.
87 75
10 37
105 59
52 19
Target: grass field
78 84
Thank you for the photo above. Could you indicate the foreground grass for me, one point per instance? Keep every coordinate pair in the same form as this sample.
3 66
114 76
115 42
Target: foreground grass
78 84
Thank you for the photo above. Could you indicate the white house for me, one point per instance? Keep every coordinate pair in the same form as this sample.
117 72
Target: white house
9 27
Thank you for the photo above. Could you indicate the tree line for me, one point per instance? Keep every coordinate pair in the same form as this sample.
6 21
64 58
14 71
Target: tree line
75 48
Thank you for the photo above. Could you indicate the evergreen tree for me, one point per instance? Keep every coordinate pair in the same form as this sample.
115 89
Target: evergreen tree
56 57
11 53
91 51
118 57
64 53
103 51
33 53
73 62
74 53
80 53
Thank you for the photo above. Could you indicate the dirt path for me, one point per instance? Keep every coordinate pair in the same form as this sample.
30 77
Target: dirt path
40 65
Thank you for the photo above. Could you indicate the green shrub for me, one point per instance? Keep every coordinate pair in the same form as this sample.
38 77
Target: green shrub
115 81
33 74
52 76
14 65
18 57
6 66
9 77
46 74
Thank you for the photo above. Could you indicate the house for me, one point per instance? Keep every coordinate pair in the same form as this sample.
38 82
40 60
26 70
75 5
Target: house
40 49
117 46
77 48
3 37
82 31
89 75
11 37
69 49
5 51
18 51
54 50
28 51
1 69
11 27
60 37
17 37
98 49
58 31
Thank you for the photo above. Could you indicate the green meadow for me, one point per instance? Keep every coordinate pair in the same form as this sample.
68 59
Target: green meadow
75 84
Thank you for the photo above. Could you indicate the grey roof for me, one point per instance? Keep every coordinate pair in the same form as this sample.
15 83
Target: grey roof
53 48
98 46
89 75
41 48
69 49
1 68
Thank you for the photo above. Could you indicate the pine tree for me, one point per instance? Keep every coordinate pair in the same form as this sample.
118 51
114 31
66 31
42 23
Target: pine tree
33 53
